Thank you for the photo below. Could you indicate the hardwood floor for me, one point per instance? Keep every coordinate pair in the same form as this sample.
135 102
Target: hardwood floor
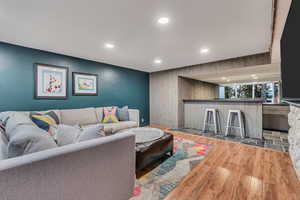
236 171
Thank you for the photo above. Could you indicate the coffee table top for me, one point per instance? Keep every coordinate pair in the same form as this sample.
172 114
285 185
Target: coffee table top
143 135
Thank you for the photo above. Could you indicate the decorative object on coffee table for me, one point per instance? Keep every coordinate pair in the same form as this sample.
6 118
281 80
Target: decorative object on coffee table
51 82
85 84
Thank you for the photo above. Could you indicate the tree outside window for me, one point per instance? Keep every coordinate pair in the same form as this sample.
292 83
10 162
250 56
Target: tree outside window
261 90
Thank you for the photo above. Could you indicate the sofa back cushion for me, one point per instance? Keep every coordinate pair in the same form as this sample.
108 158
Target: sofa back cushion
25 137
79 116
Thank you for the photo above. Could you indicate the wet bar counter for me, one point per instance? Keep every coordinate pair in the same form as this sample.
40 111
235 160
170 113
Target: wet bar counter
194 111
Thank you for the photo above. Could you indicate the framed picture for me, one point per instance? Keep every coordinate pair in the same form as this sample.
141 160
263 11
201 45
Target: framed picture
51 82
85 84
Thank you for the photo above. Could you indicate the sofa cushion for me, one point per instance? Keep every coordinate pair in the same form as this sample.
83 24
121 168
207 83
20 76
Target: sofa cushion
110 115
44 121
79 116
25 137
123 114
115 127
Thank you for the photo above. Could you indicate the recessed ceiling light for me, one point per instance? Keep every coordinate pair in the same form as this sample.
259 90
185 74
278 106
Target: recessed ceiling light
228 80
109 45
163 20
223 78
157 61
204 50
253 75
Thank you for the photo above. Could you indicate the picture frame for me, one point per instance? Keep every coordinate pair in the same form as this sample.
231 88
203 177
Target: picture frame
85 84
50 82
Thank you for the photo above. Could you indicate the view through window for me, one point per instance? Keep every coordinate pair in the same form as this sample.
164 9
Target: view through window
270 91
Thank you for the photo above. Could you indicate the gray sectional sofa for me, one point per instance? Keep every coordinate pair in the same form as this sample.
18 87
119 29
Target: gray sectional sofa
102 168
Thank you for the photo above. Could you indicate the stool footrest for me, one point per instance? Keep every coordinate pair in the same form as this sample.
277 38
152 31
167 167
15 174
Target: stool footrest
211 114
230 122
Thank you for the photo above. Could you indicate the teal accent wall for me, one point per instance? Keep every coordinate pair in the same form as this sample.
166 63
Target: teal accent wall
118 86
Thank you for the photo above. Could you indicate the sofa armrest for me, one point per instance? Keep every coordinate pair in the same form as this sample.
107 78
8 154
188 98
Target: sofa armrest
101 168
134 115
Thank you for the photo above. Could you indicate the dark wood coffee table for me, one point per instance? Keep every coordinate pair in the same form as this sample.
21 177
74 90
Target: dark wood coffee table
149 153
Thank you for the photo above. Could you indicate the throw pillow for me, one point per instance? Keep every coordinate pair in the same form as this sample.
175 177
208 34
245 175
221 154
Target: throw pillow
25 137
123 114
3 135
44 121
110 115
66 134
91 132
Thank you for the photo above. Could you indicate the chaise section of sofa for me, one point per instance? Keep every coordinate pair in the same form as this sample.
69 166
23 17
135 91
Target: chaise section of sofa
97 169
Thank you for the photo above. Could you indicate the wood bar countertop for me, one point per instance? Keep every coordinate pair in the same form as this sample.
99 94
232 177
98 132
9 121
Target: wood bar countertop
223 101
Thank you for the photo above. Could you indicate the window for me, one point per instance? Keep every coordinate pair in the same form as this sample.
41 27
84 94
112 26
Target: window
270 91
244 91
229 92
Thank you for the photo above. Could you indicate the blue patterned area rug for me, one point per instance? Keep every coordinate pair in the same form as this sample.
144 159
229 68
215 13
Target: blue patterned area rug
159 182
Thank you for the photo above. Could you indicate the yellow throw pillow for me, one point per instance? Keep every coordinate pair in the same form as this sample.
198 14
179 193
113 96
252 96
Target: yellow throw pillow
110 115
44 121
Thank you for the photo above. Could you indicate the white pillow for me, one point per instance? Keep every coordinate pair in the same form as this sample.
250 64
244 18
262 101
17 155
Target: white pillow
66 134
91 132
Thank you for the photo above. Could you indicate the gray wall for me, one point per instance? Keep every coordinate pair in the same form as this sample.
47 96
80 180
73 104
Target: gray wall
193 89
165 102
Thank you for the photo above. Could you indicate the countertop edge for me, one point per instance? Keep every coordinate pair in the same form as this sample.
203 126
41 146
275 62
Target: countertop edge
221 101
293 102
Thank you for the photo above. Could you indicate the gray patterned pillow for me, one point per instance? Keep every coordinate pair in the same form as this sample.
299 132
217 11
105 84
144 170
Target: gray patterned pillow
91 132
66 134
123 114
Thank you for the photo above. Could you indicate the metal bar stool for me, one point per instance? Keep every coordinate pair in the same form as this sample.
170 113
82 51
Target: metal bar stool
211 113
230 125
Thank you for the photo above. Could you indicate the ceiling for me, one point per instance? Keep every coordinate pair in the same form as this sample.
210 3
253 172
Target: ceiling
229 29
260 73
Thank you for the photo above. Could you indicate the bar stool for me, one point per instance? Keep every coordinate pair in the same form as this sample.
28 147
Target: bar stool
230 120
211 112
